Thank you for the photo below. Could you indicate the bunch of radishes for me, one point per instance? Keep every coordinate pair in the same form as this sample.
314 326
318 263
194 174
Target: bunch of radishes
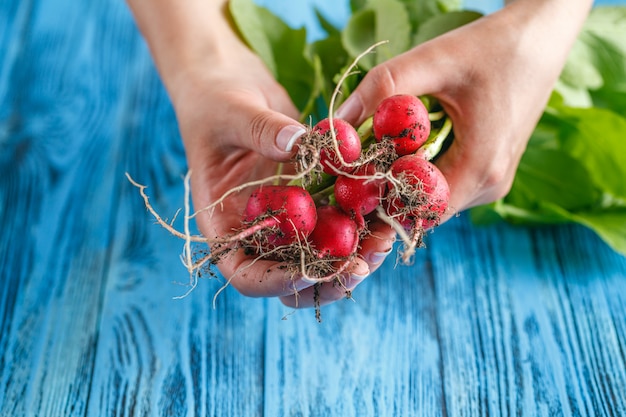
347 178
342 178
313 221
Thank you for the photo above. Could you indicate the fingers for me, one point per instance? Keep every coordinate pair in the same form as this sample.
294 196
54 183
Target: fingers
224 113
377 245
415 72
263 278
328 292
374 250
474 180
270 133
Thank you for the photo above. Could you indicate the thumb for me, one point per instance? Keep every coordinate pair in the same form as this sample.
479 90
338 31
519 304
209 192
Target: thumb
268 132
409 73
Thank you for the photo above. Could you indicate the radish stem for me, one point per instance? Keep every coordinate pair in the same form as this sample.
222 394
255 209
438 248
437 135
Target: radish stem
365 130
333 98
433 145
436 115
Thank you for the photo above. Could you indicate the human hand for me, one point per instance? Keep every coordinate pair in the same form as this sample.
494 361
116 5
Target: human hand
237 123
493 77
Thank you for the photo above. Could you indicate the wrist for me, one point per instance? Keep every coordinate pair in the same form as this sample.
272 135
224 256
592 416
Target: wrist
186 36
561 19
546 29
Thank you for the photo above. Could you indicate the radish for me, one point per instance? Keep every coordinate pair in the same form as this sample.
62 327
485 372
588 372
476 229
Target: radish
348 140
287 212
420 194
298 225
359 196
336 234
438 204
403 119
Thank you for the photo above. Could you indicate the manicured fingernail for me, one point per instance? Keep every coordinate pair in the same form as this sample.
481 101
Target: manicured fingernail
350 109
288 136
354 280
299 284
376 258
357 277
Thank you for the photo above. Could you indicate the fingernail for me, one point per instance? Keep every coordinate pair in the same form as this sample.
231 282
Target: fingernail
376 258
354 280
350 110
357 277
299 284
288 136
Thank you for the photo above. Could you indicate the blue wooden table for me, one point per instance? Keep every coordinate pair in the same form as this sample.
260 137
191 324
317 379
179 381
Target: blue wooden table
490 321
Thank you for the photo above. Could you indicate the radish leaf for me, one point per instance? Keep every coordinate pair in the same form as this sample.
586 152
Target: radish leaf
440 24
252 29
277 43
380 20
595 73
289 45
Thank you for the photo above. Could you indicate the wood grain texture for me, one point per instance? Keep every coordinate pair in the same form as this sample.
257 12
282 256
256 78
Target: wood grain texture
377 354
493 321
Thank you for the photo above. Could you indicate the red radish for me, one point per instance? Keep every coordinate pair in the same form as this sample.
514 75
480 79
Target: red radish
439 204
359 197
426 195
348 140
290 209
403 119
336 234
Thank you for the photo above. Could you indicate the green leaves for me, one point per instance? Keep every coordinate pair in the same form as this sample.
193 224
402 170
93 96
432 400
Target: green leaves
253 30
379 20
440 24
281 48
422 11
595 73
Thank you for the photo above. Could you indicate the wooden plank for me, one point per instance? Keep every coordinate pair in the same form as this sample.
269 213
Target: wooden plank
93 326
157 355
61 193
489 321
593 279
55 230
511 303
377 355
499 341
